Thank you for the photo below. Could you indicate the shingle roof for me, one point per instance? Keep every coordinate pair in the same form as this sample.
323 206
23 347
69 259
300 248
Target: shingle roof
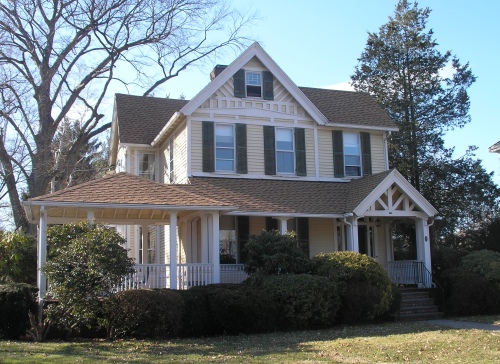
141 118
124 188
247 195
348 107
287 197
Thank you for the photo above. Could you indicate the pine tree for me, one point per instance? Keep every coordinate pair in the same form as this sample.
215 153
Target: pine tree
402 67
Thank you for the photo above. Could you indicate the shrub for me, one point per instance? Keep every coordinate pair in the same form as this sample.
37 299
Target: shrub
236 308
303 301
86 262
468 293
18 262
196 316
365 287
144 313
273 253
444 258
485 263
16 300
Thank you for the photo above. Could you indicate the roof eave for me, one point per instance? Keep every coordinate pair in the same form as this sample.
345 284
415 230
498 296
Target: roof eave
163 132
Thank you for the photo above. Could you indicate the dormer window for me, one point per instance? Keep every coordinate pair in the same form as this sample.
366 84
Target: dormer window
258 84
253 81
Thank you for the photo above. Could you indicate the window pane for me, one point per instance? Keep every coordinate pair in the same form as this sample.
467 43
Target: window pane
224 165
147 165
254 91
351 139
352 160
253 78
224 153
284 162
351 150
284 139
352 171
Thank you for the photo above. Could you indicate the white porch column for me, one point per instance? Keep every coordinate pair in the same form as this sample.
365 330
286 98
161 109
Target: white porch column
90 216
42 253
173 250
355 239
352 235
423 243
215 246
145 243
204 238
388 241
283 224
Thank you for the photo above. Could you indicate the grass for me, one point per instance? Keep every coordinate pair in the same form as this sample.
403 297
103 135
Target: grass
381 343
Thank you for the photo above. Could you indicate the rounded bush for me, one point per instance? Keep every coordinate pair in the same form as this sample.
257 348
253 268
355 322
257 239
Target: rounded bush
303 301
236 308
485 263
468 293
272 253
144 313
196 316
16 300
364 285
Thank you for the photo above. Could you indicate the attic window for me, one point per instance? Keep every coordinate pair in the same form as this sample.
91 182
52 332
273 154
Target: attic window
253 84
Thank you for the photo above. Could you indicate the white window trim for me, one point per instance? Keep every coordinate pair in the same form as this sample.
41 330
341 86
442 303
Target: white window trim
137 162
215 149
360 156
171 161
286 151
261 85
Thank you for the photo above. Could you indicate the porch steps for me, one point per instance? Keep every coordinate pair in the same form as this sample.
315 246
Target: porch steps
417 304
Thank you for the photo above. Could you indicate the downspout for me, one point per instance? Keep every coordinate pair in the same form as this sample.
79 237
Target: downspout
344 219
386 149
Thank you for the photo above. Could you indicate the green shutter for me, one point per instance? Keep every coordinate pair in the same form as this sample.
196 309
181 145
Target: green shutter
300 152
366 154
243 223
269 151
338 153
208 146
303 234
268 78
239 83
241 149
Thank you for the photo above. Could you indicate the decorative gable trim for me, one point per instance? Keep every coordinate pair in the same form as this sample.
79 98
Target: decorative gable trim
397 197
255 50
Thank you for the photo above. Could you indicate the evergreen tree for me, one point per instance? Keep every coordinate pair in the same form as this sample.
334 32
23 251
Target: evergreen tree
402 67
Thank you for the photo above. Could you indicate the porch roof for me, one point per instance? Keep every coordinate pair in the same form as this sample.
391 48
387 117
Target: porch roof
121 197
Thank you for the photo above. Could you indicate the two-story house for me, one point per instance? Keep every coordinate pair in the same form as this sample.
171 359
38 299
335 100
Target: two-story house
251 151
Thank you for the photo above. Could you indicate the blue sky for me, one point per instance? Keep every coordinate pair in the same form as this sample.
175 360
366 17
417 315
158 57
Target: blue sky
317 43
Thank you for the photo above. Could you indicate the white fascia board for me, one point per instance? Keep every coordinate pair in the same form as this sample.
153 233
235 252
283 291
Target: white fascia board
408 189
255 50
114 138
177 115
135 145
365 127
99 205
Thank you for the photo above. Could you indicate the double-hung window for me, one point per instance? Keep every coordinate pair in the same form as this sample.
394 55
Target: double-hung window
352 155
146 166
253 82
285 156
224 147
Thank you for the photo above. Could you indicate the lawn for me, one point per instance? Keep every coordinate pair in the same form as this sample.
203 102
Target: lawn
382 343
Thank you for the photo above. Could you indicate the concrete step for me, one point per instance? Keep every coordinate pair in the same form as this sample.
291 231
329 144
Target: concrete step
417 302
420 316
418 309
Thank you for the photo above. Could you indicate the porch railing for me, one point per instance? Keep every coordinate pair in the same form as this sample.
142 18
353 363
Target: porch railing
232 273
409 272
188 275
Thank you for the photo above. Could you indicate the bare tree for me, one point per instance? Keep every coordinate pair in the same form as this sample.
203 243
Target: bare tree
60 57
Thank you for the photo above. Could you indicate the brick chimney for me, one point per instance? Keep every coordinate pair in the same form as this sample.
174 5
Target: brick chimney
216 71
